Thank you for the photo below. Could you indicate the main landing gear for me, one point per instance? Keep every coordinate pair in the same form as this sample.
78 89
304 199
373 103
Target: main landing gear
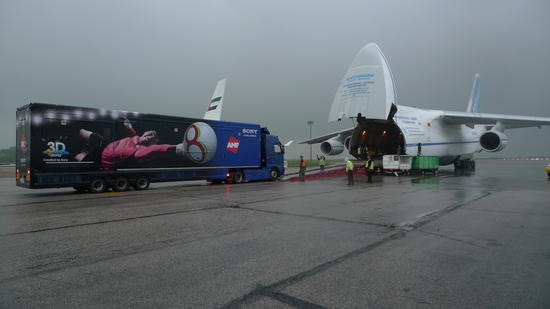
466 164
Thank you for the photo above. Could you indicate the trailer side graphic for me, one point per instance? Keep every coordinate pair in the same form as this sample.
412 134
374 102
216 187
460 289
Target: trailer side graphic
60 146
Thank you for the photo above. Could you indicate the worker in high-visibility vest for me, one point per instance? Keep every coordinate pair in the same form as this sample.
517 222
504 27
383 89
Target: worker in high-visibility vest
548 170
349 171
322 162
369 168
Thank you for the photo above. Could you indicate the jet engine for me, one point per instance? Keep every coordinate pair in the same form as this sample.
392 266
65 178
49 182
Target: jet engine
493 141
332 147
346 142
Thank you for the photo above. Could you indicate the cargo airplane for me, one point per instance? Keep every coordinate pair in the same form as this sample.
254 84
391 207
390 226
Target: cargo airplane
367 96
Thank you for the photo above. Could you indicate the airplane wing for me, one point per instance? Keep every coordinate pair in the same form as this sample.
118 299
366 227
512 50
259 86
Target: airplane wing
214 111
506 121
323 138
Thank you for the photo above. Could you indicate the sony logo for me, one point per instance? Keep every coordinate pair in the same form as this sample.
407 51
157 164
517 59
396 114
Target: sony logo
250 131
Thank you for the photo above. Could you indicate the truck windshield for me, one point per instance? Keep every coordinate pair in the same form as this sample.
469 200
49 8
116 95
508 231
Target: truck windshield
279 148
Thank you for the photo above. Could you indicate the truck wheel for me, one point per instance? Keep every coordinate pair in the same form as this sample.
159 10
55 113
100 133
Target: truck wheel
238 176
120 184
97 185
273 174
142 183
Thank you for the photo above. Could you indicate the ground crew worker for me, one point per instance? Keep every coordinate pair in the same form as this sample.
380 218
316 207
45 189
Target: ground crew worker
303 164
322 162
369 168
548 170
349 171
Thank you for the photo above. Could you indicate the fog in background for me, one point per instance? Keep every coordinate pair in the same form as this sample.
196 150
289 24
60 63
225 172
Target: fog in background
283 59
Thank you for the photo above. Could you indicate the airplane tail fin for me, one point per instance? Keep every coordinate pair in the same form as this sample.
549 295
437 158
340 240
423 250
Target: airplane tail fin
473 103
214 111
367 88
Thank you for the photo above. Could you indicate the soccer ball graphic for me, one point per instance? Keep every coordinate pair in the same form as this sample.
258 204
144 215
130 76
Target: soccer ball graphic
200 142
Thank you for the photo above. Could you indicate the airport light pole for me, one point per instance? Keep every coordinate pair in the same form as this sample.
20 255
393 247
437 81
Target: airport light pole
310 124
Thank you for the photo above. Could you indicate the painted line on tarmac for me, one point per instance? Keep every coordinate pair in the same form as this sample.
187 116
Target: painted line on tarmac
398 234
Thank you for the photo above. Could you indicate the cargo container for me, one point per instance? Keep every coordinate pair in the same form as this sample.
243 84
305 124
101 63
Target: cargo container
425 163
94 149
396 163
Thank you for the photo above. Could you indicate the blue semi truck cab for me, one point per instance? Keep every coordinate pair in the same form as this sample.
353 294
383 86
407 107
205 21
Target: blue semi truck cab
271 163
96 149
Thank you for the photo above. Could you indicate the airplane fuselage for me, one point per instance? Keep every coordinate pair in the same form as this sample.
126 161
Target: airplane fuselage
437 138
415 131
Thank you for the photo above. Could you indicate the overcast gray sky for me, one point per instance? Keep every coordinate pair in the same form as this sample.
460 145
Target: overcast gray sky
283 59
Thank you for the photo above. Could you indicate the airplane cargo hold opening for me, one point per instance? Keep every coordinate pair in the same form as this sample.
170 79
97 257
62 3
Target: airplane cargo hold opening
377 137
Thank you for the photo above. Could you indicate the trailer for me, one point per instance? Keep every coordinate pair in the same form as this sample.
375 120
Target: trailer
94 149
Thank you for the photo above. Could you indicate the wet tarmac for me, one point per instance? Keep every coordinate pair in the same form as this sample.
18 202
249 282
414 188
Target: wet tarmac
472 240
